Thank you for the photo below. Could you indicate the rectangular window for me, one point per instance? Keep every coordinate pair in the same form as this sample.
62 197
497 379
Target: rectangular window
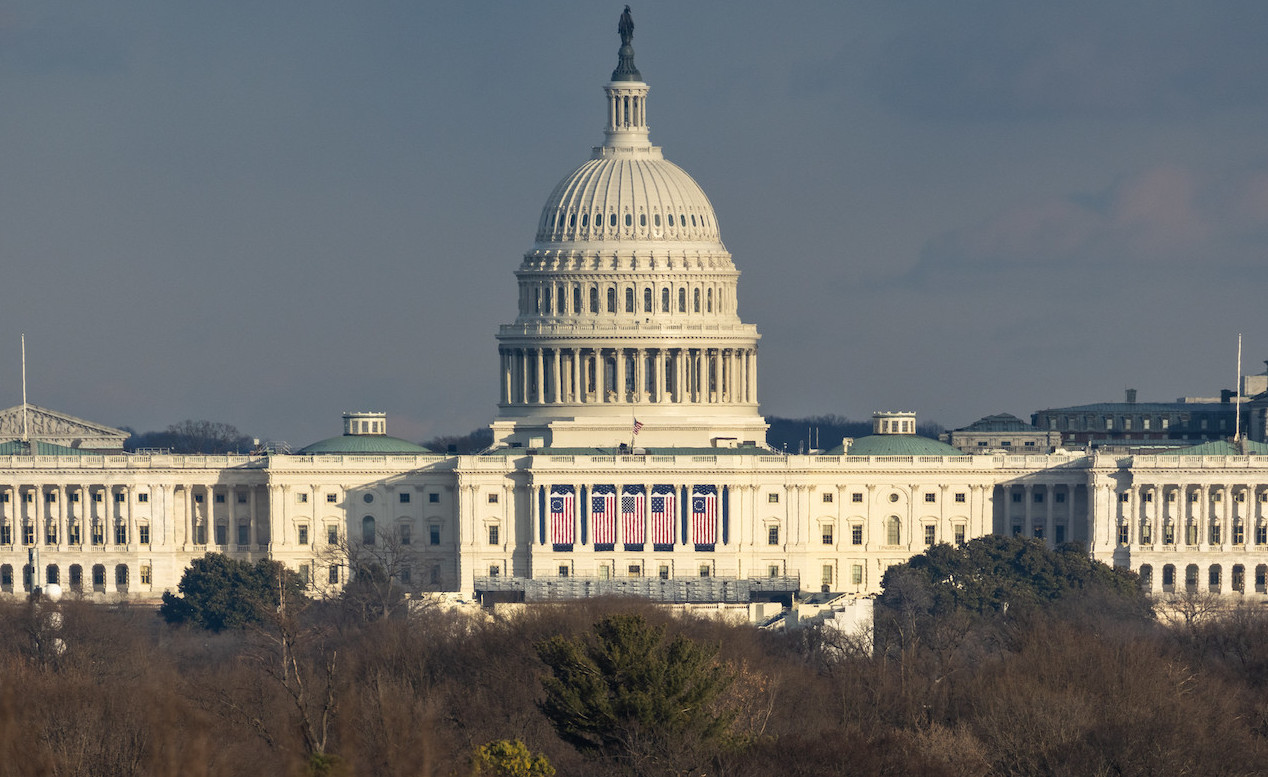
1006 443
856 574
121 497
827 497
493 535
563 570
635 570
1016 498
435 574
1123 534
50 534
305 574
222 534
930 534
244 534
96 497
147 577
1059 497
301 498
772 535
1144 423
121 534
1239 534
1241 496
405 498
143 497
242 499
302 532
856 497
856 534
1215 534
1168 534
143 534
826 576
1261 535
332 535
6 534
433 498
931 497
663 573
407 575
959 534
959 498
72 535
98 534
772 570
772 498
493 499
827 535
495 570
1029 443
405 535
433 535
1038 497
28 534
332 497
332 574
50 497
74 498
220 499
704 570
1124 497
4 497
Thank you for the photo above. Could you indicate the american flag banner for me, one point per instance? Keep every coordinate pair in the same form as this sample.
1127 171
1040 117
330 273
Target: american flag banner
603 514
563 515
638 426
704 515
663 503
633 515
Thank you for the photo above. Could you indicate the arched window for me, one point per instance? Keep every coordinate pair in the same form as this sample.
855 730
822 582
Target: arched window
629 300
629 220
647 300
696 300
693 219
585 219
1239 578
76 577
682 300
671 219
1146 577
121 575
576 299
367 530
656 219
546 301
664 300
642 219
52 575
893 531
1191 578
99 576
612 220
572 219
1169 578
6 577
594 300
611 300
708 301
1214 577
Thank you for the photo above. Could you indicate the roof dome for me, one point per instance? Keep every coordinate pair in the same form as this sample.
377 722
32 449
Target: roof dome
364 433
628 194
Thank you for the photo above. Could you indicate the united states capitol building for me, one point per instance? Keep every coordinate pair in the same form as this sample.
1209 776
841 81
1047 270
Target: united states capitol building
629 454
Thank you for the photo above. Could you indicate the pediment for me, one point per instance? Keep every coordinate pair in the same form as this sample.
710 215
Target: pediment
44 423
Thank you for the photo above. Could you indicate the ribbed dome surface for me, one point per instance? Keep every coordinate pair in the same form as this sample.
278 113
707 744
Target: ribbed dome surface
628 195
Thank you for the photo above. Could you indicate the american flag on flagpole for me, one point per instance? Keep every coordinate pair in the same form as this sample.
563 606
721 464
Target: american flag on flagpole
638 426
633 512
704 515
663 504
603 514
563 515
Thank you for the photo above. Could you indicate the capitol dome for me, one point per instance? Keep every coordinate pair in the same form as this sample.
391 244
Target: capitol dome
631 194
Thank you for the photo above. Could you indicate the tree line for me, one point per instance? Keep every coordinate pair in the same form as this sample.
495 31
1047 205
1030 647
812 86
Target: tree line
997 658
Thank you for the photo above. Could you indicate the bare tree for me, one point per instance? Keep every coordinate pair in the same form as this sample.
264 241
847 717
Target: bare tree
380 573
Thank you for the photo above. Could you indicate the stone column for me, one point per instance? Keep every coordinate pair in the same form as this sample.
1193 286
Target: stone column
539 376
1028 526
599 368
716 396
660 374
622 376
556 359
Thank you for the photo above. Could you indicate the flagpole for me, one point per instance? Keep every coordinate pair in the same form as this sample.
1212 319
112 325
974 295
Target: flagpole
26 437
1237 407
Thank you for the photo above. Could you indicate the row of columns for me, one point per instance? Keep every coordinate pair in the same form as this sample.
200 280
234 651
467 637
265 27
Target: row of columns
1201 517
1041 524
540 376
551 299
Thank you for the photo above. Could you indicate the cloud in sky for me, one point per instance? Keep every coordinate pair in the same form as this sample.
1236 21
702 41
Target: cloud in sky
268 214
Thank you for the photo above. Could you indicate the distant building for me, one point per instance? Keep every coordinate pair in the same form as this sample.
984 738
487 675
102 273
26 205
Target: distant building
1187 421
1002 433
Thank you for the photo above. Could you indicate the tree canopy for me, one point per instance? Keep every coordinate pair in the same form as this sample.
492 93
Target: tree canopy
193 437
626 691
219 593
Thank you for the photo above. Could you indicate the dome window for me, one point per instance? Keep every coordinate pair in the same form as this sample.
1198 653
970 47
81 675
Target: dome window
656 219
576 299
642 219
629 300
693 219
682 300
594 300
647 300
682 219
612 220
611 300
708 301
697 300
585 219
664 300
671 219
572 220
629 220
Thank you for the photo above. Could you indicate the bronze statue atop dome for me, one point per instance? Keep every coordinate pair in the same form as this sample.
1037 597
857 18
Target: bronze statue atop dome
625 69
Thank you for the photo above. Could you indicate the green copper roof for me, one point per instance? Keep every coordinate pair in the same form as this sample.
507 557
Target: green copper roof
37 448
897 445
364 444
1221 448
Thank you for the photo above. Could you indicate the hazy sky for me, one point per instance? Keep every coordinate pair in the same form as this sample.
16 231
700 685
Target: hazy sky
269 213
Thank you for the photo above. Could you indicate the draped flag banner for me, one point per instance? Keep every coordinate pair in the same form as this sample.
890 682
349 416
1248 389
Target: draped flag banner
663 504
563 515
603 514
704 515
633 515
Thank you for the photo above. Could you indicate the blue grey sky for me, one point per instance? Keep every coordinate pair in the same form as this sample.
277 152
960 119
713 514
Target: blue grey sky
269 213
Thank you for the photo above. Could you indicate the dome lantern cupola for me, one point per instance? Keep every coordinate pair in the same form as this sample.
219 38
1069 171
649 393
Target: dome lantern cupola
627 95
